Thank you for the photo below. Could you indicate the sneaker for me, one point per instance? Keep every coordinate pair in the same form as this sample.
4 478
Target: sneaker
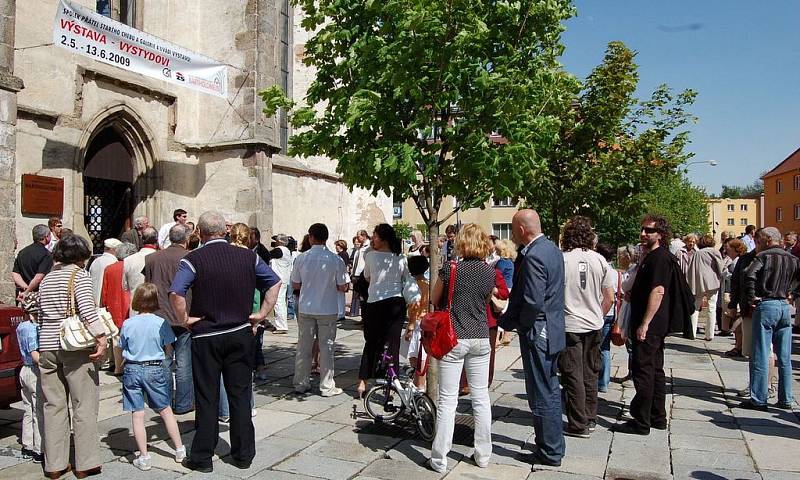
592 426
142 463
577 433
430 465
39 458
301 389
745 392
332 392
749 405
180 454
784 406
224 419
26 453
773 392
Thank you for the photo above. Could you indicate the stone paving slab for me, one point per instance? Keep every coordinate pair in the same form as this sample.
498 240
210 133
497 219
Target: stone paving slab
310 437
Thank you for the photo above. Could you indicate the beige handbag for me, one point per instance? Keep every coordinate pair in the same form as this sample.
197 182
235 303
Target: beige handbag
74 334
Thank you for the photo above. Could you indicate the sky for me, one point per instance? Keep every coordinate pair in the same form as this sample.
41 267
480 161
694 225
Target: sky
742 56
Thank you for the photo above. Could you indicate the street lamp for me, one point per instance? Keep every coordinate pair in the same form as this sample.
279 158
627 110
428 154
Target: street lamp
713 163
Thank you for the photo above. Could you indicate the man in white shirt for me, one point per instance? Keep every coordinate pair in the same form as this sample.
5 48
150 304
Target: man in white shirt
320 275
749 237
282 265
98 266
133 270
178 216
588 294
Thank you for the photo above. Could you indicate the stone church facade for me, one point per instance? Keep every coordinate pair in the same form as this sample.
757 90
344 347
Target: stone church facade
129 145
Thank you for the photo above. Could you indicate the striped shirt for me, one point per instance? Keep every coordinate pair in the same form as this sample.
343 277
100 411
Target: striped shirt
53 304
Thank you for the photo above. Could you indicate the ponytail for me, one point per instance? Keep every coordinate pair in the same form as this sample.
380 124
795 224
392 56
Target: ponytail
387 234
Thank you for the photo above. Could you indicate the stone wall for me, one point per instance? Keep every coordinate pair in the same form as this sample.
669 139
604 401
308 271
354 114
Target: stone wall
9 86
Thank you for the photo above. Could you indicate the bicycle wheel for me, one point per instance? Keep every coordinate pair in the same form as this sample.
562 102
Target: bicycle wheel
426 417
383 403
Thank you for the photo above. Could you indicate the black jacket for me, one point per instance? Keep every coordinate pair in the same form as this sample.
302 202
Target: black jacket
737 284
773 274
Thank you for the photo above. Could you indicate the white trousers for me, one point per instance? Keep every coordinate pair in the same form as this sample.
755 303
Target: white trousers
325 328
32 403
473 355
281 310
712 313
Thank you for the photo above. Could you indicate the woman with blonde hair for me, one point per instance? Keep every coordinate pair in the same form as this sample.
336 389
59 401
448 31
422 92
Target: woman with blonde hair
473 284
507 253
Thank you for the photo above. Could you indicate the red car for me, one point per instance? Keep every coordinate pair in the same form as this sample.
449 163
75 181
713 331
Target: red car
10 358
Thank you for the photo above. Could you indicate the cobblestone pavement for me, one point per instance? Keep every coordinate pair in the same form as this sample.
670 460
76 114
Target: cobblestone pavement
306 437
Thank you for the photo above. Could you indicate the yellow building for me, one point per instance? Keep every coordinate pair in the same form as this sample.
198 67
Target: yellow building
495 218
733 214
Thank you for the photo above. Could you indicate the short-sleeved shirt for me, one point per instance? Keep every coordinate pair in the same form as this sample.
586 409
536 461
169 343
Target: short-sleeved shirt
32 260
143 337
475 281
586 274
319 271
28 339
655 271
386 272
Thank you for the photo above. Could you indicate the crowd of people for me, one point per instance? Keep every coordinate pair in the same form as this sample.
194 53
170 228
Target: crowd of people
192 304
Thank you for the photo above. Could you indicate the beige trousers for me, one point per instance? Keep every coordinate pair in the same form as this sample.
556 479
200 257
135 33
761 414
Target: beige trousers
70 376
32 403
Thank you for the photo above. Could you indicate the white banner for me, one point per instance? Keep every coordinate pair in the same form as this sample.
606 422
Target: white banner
85 32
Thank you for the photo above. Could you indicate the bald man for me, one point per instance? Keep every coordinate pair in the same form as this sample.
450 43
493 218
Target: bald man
536 311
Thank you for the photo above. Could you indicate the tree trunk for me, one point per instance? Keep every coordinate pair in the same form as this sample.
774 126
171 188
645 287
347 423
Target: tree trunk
432 378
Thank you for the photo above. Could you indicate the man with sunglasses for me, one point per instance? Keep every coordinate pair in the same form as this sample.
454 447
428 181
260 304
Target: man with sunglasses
649 325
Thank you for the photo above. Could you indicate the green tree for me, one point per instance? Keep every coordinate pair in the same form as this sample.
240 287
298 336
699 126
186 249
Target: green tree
754 189
672 196
408 95
403 230
611 147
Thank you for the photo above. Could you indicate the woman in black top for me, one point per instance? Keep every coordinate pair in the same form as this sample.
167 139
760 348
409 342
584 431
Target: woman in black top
474 284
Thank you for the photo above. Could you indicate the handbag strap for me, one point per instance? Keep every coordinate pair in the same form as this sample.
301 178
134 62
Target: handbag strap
451 284
71 308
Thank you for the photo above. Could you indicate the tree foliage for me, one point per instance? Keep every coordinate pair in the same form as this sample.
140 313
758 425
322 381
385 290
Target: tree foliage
755 189
408 95
612 149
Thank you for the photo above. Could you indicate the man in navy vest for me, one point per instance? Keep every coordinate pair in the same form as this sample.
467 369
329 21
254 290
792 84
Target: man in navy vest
536 310
223 279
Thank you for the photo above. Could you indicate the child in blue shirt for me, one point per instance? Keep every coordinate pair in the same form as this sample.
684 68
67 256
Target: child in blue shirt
145 340
32 399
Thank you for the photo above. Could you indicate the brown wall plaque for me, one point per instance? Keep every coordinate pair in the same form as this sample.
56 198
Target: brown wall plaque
42 195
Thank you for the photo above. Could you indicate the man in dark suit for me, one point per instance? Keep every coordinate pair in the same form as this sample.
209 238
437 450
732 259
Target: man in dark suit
536 310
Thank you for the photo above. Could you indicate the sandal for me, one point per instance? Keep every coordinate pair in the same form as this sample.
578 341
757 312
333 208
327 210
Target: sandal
733 353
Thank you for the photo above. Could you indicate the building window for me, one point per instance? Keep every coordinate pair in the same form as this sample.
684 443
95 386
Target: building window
731 207
743 222
743 207
731 222
123 11
397 210
797 182
778 186
502 202
502 230
779 214
797 211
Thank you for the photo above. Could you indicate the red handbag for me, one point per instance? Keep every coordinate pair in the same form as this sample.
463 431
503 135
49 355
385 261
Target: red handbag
438 335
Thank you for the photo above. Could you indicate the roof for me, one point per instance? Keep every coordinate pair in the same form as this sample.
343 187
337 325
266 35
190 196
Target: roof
792 162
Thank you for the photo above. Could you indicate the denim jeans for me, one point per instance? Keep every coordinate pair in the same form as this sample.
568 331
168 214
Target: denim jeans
605 354
184 386
544 393
471 354
772 325
291 312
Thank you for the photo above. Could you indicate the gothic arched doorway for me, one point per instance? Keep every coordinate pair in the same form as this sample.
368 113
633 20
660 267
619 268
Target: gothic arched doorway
108 176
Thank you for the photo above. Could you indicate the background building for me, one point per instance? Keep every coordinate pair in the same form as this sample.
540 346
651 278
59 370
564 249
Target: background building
495 217
733 214
782 194
128 145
